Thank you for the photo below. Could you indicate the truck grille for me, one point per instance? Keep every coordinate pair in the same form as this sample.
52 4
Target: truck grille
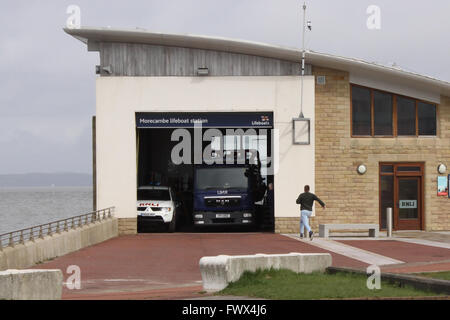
230 220
222 202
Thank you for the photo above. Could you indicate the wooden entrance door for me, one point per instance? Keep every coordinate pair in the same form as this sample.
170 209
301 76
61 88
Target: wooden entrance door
401 188
408 213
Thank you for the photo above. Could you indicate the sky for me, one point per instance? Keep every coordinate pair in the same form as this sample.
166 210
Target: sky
47 83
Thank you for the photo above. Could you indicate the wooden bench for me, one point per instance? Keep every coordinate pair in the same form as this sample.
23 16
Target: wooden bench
324 229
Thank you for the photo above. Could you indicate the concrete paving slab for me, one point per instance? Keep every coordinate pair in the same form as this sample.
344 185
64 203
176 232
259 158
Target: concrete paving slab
425 242
352 252
400 250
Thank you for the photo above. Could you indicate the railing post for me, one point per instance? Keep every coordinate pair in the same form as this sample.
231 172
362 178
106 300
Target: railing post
11 241
79 222
31 238
109 213
49 232
57 228
41 235
21 241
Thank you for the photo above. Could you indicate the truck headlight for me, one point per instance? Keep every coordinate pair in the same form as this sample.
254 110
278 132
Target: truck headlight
198 216
166 209
247 215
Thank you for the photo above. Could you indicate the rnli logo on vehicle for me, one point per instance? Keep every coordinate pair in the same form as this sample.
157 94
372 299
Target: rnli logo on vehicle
264 121
149 204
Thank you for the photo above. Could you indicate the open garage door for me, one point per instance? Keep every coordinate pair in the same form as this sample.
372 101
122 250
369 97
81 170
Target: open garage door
213 170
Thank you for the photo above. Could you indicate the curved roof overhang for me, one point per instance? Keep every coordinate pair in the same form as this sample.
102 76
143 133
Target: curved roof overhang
91 36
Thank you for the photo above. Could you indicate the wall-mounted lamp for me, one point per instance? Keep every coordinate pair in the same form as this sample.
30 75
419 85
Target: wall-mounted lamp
362 169
103 70
203 71
301 131
442 168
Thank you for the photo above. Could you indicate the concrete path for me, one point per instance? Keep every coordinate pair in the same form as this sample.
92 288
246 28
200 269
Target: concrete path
367 257
444 245
440 236
400 250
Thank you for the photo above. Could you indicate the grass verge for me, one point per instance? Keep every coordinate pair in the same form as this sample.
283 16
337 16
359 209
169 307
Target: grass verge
437 275
288 285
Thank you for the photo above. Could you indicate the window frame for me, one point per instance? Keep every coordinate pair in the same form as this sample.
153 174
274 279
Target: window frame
394 114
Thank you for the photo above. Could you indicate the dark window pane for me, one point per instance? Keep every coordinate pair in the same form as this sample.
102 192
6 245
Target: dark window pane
408 169
387 197
387 169
361 102
427 119
382 113
408 190
406 117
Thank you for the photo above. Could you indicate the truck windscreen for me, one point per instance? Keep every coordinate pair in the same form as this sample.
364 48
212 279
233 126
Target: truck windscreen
148 194
221 178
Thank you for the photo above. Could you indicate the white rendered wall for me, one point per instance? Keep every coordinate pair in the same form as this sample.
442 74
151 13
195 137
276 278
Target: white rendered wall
119 98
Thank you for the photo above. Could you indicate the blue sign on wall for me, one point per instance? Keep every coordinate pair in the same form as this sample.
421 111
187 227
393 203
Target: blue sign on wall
207 119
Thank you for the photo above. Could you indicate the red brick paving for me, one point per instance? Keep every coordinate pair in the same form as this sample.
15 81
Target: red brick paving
404 251
177 293
159 261
417 268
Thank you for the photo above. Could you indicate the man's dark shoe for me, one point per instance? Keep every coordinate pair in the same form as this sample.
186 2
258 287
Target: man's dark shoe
301 236
311 235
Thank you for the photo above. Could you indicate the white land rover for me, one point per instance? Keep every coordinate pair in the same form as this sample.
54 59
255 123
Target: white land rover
156 205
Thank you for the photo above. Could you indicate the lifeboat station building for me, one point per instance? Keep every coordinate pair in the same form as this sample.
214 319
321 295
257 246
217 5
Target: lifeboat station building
370 137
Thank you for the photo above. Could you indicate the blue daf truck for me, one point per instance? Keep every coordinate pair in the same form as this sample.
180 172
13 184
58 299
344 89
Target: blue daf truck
225 194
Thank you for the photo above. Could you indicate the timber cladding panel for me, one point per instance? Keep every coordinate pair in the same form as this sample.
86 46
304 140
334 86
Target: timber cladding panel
129 59
354 198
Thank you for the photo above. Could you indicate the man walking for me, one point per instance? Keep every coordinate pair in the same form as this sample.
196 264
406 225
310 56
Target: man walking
306 200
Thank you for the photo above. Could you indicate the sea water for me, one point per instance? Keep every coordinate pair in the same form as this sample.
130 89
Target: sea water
26 207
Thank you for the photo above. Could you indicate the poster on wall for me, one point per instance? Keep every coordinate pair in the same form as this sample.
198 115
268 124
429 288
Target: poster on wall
443 186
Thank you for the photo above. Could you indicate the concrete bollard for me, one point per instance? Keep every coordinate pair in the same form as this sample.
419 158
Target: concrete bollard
31 285
217 272
389 222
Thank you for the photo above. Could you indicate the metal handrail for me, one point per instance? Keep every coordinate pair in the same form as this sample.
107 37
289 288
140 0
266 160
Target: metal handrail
13 238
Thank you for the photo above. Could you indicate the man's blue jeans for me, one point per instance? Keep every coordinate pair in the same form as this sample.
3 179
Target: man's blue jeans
304 221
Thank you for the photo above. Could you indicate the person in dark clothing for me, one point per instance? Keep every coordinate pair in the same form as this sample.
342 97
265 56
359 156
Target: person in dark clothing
270 194
306 202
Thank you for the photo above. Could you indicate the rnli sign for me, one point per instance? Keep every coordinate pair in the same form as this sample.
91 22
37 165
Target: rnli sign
206 119
408 204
